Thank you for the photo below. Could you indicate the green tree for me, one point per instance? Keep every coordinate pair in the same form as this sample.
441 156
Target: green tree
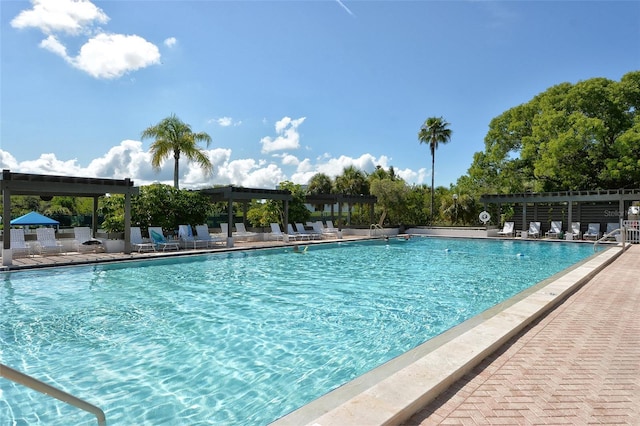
579 136
172 136
433 132
271 211
319 183
351 182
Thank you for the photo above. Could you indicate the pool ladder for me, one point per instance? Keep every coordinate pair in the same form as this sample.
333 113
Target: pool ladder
35 384
374 228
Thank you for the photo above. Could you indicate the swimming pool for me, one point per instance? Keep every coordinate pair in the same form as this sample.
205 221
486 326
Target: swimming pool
244 338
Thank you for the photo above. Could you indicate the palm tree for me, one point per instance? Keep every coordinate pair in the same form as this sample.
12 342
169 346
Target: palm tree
173 136
433 132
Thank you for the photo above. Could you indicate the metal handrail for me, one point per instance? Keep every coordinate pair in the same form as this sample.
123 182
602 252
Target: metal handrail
35 384
374 227
611 234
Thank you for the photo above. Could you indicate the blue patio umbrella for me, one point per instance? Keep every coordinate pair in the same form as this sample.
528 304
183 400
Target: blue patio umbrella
33 218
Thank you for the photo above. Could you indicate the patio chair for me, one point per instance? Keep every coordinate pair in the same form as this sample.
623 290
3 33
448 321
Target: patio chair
593 232
202 232
157 236
241 232
575 231
276 233
612 226
555 230
46 242
319 228
507 230
83 241
296 235
138 243
302 230
534 230
18 245
330 226
188 240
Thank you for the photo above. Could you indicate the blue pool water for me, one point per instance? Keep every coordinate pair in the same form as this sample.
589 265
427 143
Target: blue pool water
247 337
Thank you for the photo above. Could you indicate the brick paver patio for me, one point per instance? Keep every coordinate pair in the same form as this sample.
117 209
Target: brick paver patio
578 365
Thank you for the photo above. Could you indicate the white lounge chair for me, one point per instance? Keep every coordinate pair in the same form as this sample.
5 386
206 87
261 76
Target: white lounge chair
202 232
242 233
188 240
302 230
47 242
18 245
534 230
507 230
575 231
318 227
593 232
278 235
612 226
83 241
157 236
138 243
555 230
296 235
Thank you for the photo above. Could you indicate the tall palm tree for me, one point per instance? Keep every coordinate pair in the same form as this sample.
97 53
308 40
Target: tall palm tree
172 136
434 131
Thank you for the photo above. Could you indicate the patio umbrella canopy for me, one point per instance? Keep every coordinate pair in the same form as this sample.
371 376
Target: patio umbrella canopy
33 218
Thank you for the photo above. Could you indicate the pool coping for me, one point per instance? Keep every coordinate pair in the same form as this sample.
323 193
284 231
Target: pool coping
396 390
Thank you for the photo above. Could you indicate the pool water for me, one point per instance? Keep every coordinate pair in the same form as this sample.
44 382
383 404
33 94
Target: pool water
245 337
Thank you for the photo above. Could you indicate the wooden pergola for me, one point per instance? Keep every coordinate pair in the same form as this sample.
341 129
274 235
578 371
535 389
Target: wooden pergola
340 199
232 194
48 186
574 206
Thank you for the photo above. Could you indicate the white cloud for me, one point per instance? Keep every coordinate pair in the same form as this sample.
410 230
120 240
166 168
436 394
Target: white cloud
226 122
109 55
290 160
170 42
60 16
288 136
104 55
129 160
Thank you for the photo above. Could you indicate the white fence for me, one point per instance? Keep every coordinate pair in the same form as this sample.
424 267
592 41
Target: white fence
632 228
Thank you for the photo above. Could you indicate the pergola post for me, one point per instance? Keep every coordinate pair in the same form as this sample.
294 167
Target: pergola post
230 223
6 220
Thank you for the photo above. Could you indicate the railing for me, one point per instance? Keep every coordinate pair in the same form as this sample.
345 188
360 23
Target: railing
374 228
632 233
612 234
35 384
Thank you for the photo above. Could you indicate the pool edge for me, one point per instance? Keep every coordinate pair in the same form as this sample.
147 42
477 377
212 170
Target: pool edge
389 394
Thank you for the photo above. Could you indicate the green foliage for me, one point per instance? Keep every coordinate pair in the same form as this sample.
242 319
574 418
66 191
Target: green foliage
156 205
272 211
391 192
580 136
173 138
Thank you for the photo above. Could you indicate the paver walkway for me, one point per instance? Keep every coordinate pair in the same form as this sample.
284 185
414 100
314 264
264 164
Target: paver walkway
578 365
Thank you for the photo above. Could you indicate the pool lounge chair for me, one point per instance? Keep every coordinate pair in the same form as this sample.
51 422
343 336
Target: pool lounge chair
18 245
330 226
575 231
138 243
297 235
319 228
555 230
534 230
507 230
157 236
47 242
242 233
612 226
188 240
593 232
302 230
278 235
202 232
84 242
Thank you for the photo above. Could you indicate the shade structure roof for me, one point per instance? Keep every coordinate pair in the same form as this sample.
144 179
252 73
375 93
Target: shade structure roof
34 218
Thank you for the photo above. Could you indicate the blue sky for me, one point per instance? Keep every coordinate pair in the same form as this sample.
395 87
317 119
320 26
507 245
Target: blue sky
286 89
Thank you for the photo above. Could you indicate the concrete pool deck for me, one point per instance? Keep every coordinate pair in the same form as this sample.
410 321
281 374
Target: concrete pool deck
565 352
